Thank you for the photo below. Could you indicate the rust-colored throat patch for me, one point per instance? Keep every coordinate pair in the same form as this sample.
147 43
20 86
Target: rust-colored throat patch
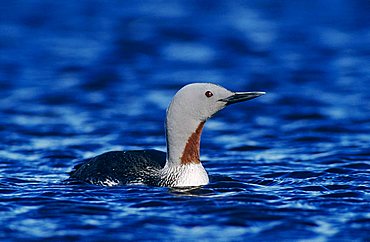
191 152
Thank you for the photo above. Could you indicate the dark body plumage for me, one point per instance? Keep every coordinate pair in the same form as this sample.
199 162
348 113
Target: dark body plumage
122 167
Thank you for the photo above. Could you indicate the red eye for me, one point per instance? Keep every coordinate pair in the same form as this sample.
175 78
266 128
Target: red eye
208 94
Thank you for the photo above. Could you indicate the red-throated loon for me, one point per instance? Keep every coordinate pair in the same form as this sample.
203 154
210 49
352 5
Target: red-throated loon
180 166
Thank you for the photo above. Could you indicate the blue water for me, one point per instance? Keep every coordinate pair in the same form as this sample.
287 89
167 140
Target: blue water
79 78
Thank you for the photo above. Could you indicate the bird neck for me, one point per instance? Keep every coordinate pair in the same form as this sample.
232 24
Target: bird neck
183 141
183 167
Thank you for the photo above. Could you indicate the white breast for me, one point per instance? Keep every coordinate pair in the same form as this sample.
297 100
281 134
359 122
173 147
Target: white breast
185 175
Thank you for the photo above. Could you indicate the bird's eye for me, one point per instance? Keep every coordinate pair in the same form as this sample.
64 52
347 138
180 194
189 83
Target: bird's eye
208 94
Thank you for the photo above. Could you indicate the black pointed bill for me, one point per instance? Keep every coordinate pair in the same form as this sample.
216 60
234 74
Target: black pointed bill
241 97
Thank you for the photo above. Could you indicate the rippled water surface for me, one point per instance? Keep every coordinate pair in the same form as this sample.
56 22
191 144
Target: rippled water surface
78 78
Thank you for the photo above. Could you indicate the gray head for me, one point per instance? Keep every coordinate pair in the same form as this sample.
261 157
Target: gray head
199 101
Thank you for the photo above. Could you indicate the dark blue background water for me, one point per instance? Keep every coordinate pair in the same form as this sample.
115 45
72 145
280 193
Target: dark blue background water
78 78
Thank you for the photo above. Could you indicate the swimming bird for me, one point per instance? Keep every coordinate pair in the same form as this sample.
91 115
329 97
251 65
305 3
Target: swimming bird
180 166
